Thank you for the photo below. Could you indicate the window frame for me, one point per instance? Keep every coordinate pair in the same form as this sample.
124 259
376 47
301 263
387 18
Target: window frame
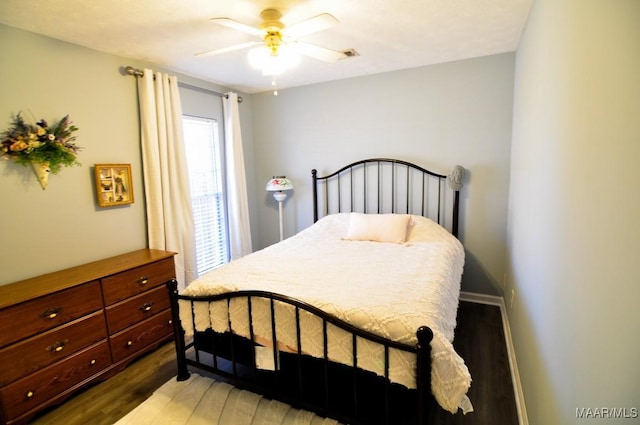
223 184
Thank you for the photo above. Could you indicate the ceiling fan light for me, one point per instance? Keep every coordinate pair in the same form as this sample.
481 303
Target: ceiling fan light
289 56
261 58
258 56
273 66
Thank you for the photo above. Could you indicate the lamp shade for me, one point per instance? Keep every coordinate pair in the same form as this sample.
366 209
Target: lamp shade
279 183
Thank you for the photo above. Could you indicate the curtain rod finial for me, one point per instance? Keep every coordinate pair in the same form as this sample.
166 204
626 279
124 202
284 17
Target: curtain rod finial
133 71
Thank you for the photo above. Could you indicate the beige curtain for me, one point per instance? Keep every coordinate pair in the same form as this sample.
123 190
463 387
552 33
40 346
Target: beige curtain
237 203
169 216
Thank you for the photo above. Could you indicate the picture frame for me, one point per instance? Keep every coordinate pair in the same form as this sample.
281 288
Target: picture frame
114 186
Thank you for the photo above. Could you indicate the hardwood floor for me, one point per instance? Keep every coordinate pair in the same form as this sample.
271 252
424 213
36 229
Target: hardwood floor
479 340
106 402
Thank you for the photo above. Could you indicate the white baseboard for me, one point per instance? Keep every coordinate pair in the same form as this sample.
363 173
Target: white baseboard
481 298
515 376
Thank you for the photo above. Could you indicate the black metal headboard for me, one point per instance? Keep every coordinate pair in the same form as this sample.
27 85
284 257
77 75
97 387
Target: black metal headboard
382 185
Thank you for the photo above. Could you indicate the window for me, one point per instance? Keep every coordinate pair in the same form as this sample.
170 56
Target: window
207 197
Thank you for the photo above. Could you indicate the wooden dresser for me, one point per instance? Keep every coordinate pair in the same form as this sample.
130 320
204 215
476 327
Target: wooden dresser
63 330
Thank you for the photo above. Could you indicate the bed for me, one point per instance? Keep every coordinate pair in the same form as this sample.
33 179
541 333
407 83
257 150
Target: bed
352 318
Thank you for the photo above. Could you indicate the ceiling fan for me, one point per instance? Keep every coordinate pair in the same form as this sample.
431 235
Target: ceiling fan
275 35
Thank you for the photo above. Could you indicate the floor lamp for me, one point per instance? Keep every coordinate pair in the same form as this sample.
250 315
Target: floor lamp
278 185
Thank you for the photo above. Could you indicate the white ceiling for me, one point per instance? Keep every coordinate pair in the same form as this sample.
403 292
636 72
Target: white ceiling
388 34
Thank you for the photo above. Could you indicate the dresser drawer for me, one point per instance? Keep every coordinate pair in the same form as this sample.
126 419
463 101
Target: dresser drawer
33 390
131 282
40 314
34 353
140 307
141 336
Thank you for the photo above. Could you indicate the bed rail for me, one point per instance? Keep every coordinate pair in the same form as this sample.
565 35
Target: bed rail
382 185
298 379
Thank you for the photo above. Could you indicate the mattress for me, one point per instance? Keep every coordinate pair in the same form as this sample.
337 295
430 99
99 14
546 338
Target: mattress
389 289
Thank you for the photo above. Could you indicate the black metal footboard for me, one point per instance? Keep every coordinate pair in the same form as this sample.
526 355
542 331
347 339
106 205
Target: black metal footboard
345 392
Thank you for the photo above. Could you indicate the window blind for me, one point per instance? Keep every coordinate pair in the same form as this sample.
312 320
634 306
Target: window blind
207 196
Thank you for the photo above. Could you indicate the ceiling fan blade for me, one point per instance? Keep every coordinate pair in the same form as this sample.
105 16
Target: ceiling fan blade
317 52
230 23
311 25
229 49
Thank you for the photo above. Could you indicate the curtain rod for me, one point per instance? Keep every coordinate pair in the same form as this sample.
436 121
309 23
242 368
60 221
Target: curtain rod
139 73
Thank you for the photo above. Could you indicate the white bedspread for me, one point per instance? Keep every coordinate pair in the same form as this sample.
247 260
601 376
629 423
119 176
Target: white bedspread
385 288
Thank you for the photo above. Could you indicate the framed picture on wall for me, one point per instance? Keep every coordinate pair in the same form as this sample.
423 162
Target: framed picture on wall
113 184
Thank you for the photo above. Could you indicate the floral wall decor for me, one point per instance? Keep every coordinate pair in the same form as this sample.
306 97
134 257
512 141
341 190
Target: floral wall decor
44 147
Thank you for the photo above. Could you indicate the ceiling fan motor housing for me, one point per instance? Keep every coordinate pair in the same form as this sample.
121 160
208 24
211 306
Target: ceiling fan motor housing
273 27
271 20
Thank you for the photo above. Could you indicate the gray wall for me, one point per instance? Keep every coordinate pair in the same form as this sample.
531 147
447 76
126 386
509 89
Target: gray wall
574 205
456 113
47 230
436 116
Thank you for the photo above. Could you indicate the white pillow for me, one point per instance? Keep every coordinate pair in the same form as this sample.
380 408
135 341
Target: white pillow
423 229
378 227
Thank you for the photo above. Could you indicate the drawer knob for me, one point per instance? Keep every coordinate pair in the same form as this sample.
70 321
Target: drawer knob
30 394
146 307
92 362
143 280
58 346
129 343
51 313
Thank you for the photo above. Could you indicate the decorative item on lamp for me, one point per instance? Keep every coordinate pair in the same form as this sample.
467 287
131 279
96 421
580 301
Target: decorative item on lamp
278 185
